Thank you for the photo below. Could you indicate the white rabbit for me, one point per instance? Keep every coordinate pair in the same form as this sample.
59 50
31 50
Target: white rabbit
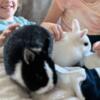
71 49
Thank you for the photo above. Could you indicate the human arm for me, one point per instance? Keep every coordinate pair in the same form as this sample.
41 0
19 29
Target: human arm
55 11
50 21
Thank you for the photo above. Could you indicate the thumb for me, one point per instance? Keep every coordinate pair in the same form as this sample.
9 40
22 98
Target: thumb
96 46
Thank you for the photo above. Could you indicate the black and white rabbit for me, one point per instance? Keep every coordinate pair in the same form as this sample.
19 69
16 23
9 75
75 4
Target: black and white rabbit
27 58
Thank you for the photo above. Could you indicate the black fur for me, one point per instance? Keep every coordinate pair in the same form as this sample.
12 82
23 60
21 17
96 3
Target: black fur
34 73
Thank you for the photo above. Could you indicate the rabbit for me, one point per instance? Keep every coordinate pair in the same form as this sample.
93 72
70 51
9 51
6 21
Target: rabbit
73 46
27 59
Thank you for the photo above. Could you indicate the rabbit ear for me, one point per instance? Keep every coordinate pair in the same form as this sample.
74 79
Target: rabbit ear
28 55
75 26
83 32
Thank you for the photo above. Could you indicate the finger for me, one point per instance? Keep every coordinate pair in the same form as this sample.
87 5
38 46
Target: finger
60 30
2 39
13 26
97 52
96 46
6 33
57 33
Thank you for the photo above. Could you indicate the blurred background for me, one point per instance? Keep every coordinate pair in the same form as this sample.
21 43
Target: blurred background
34 10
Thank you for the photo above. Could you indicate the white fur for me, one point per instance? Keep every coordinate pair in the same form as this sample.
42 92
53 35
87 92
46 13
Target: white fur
37 49
68 87
17 75
98 71
70 49
71 80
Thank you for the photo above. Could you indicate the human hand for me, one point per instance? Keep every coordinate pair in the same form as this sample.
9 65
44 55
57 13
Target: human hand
7 32
55 29
96 47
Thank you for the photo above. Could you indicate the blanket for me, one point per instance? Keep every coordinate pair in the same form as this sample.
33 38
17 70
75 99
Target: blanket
74 84
74 81
9 90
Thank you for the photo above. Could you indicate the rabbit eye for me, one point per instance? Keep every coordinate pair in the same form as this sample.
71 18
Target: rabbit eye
86 43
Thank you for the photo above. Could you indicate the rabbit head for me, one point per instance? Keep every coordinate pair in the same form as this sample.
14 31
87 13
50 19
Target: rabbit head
72 47
27 58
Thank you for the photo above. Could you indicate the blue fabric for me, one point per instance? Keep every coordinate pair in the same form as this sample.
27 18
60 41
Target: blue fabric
91 86
21 20
94 38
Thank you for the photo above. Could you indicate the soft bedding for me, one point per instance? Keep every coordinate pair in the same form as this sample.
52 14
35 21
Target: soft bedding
70 89
9 90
